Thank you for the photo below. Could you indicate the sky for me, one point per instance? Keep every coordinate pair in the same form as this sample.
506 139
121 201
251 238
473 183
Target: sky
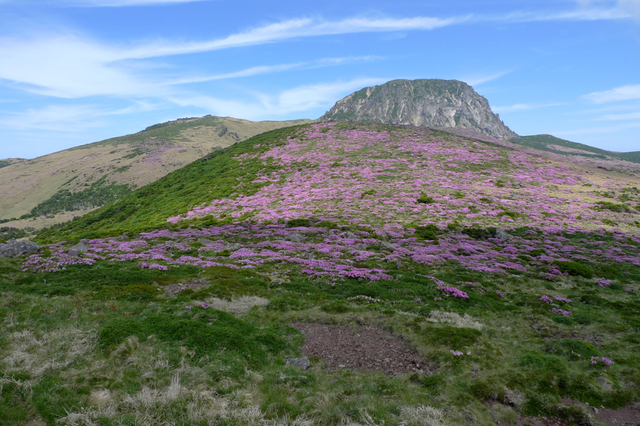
79 71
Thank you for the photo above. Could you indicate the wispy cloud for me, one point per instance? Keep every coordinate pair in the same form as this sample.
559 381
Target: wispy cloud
67 118
267 69
477 80
629 116
523 107
623 93
299 99
630 7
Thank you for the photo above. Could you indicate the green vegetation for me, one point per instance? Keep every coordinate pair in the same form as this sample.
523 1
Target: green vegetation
214 176
97 194
543 142
164 131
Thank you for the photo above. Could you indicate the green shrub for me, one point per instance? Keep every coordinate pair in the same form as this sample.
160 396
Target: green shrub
335 308
571 348
452 337
618 208
428 232
425 199
574 268
294 223
212 331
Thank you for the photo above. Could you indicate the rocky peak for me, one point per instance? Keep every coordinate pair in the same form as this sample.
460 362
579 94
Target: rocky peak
433 103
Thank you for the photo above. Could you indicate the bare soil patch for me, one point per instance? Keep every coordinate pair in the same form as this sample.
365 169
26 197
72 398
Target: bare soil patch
364 348
172 290
627 416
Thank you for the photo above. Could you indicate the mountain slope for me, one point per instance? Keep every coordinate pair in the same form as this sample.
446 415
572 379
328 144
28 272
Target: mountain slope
87 176
510 277
561 146
433 103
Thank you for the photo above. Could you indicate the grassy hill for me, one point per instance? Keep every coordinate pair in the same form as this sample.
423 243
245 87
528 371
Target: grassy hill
560 146
92 175
506 284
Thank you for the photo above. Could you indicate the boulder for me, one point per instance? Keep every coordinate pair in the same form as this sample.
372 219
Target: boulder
232 246
81 247
501 234
18 248
205 241
302 363
296 237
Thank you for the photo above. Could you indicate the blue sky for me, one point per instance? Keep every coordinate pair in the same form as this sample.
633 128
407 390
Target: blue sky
79 71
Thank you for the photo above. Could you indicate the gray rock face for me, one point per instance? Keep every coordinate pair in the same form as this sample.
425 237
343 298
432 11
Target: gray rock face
302 363
81 247
501 234
296 237
433 103
18 248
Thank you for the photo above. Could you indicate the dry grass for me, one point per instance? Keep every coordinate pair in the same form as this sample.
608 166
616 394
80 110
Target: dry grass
238 306
455 320
421 416
37 353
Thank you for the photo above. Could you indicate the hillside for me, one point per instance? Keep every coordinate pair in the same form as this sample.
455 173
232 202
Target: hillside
560 146
433 103
429 277
88 176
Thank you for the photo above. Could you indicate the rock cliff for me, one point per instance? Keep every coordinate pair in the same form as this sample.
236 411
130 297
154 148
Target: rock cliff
433 103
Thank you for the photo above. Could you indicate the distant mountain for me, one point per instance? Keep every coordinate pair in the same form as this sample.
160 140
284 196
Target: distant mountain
432 103
560 146
92 175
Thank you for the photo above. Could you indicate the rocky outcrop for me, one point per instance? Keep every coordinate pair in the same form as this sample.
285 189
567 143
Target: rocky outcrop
18 248
433 103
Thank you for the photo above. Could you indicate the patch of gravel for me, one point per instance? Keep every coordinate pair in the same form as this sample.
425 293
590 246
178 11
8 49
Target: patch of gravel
364 348
626 416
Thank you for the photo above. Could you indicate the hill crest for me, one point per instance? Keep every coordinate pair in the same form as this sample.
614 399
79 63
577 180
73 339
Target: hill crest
425 102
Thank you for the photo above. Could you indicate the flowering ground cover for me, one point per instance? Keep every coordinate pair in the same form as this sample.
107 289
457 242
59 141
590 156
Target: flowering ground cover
516 276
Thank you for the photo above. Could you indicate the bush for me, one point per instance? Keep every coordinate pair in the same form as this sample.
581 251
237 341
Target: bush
428 232
574 268
425 199
212 331
452 337
294 223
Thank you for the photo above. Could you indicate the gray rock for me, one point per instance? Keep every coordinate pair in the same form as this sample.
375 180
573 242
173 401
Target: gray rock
296 237
73 252
232 246
388 245
205 241
302 363
81 247
350 234
501 234
432 103
18 248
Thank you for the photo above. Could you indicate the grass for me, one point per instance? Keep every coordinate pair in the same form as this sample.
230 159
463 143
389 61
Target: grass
103 344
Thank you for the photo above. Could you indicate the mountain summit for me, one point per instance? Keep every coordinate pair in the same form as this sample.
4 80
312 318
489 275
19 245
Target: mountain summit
433 103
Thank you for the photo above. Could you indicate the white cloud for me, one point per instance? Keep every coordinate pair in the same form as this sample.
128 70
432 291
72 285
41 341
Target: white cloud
629 7
299 99
267 69
623 93
67 118
629 116
56 118
477 80
522 107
